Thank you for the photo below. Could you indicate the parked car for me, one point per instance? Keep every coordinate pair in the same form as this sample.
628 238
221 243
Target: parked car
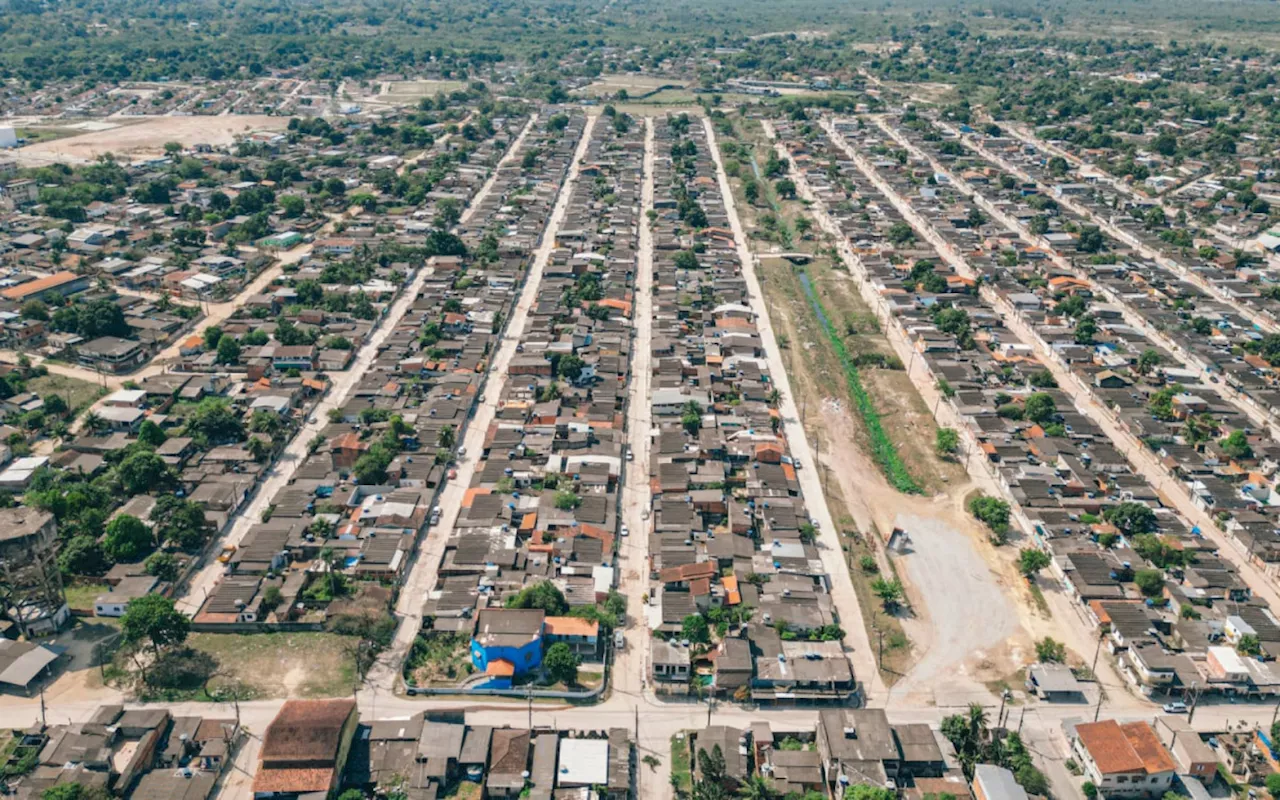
1176 707
619 641
625 531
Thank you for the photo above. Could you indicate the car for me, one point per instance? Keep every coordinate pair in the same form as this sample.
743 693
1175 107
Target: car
462 451
625 530
644 514
227 553
453 473
1176 707
796 463
630 455
619 641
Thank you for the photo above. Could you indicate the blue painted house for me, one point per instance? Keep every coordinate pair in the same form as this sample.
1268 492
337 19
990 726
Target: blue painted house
507 642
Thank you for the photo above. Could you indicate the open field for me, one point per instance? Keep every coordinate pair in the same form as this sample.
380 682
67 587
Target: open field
413 91
146 137
283 664
634 85
78 394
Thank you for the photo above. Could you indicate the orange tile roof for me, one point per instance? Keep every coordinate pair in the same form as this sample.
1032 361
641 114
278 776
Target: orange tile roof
293 780
500 667
472 493
571 626
39 285
192 342
1132 747
733 596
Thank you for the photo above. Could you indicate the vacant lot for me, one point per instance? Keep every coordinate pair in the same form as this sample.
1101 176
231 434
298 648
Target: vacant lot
413 91
77 394
146 137
283 664
633 85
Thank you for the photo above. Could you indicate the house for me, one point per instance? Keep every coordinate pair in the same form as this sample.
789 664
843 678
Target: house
508 641
305 748
671 665
60 283
995 783
1193 755
1123 760
1054 682
112 354
114 602
582 635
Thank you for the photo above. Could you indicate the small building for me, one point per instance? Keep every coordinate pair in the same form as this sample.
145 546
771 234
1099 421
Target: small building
1055 683
508 641
114 602
305 748
583 762
996 783
1123 760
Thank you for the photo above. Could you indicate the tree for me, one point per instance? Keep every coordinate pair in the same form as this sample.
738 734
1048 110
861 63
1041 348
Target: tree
1148 361
1150 582
154 620
212 335
1131 517
890 593
163 566
1249 645
900 234
1039 407
142 471
946 441
83 555
691 417
544 595
447 437
228 350
561 664
128 538
694 627
1086 330
757 787
751 191
1049 651
785 187
685 259
1091 240
150 434
994 513
1236 445
1031 560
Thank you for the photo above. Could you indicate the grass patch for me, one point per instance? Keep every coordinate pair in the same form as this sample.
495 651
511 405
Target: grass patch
681 776
78 394
80 596
884 630
438 660
1042 605
883 449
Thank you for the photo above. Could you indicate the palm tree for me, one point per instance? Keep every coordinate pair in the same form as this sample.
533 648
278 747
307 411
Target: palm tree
775 397
330 560
447 437
257 448
757 788
94 423
977 719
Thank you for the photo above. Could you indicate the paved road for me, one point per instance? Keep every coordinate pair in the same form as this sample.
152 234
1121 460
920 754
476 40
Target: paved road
422 577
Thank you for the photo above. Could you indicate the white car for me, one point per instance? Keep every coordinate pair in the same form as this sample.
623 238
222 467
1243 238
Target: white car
1176 707
625 531
644 514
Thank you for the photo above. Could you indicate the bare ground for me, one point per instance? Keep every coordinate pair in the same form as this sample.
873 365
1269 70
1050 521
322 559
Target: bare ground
135 139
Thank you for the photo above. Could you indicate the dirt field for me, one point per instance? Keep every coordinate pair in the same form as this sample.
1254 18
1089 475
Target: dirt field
635 85
147 137
283 664
78 394
413 91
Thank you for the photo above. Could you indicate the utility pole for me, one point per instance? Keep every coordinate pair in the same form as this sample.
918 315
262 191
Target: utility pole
1097 652
1195 701
44 723
528 690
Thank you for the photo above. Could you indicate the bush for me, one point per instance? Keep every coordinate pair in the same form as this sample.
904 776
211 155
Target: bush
992 512
182 668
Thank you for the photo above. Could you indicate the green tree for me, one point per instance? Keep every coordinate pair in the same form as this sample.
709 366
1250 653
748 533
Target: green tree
1031 560
691 417
163 566
946 441
83 555
1131 517
1148 361
561 664
1049 651
212 335
1236 445
153 619
228 350
544 595
1039 407
994 513
143 471
694 627
127 538
150 434
1249 645
1150 582
867 791
890 593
